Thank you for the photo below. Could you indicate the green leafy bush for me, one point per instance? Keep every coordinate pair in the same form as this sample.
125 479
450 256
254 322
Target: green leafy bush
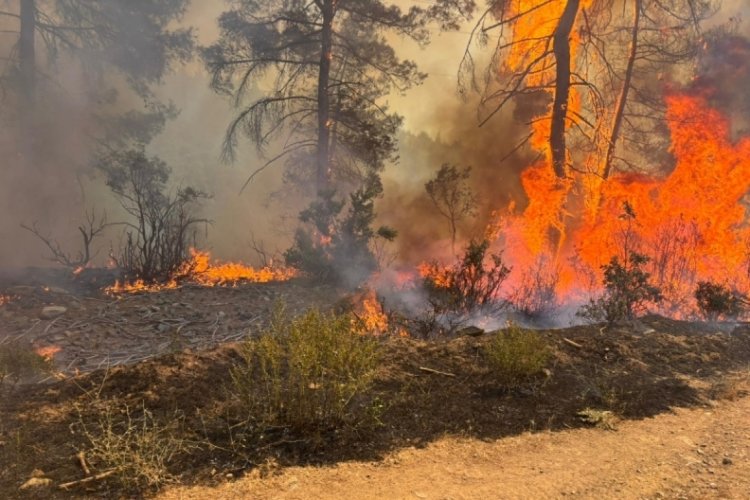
516 355
627 291
306 374
716 301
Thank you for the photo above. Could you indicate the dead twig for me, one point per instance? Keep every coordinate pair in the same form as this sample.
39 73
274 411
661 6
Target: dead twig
574 344
81 457
436 372
86 480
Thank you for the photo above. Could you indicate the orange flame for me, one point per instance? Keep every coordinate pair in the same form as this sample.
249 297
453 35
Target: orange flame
439 275
371 315
693 223
371 319
48 352
200 270
531 45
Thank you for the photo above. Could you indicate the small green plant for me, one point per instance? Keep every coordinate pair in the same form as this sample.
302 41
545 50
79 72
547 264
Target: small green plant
515 355
716 301
306 374
627 291
472 284
134 449
17 362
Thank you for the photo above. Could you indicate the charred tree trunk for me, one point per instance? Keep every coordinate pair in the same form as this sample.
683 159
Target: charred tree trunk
561 49
27 73
324 119
623 97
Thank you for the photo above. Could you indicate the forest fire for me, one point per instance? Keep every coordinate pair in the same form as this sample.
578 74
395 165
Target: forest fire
201 271
692 223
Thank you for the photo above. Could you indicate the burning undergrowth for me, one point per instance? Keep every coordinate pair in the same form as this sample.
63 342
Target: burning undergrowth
199 270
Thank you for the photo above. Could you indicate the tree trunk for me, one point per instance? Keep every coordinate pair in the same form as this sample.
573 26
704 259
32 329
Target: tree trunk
26 49
324 74
561 49
27 72
623 97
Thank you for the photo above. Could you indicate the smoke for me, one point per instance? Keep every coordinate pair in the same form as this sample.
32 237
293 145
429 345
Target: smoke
78 110
46 187
722 73
492 153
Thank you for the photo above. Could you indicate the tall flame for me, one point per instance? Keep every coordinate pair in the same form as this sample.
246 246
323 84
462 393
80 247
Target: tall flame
692 223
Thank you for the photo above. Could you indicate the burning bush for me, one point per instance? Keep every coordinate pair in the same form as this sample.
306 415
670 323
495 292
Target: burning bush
716 301
516 355
335 248
627 290
305 374
157 239
470 285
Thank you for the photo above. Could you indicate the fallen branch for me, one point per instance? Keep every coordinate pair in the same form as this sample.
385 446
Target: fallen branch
436 372
574 344
86 480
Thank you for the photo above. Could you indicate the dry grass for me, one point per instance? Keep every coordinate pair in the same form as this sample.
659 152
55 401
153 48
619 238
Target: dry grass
131 444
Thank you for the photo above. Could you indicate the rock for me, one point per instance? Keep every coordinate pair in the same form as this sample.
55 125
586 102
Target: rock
36 482
471 331
52 312
727 461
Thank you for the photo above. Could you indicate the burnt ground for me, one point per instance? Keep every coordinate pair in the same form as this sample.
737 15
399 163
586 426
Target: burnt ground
635 371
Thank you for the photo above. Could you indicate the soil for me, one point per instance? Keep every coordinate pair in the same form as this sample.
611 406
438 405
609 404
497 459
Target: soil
684 454
641 410
99 331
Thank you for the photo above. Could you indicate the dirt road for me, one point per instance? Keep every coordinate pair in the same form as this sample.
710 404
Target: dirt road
692 453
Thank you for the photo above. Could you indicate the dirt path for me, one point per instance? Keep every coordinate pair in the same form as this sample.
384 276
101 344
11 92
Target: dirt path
692 453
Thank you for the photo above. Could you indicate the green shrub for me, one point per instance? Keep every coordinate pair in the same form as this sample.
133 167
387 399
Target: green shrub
627 291
305 374
337 247
17 362
516 355
716 301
